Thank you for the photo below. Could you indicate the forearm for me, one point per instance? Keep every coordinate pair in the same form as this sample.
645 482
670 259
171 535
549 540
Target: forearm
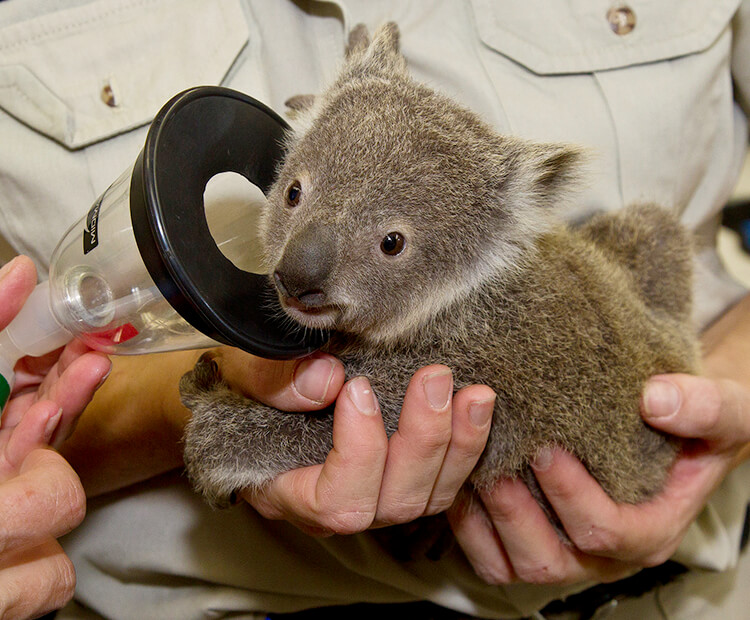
725 351
132 429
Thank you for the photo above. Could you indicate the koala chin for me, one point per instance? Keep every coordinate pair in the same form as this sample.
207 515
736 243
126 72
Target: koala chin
420 235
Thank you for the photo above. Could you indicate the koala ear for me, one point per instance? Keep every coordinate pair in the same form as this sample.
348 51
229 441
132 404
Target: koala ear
381 55
359 41
300 103
541 174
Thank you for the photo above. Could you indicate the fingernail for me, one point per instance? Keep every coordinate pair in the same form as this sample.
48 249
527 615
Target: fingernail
51 425
438 388
7 268
543 459
480 412
661 399
103 379
313 377
362 395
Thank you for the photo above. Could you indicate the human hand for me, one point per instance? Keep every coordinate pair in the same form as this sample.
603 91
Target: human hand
369 480
507 538
41 497
68 376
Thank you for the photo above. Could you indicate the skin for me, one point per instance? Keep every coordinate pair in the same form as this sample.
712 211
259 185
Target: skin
368 481
41 497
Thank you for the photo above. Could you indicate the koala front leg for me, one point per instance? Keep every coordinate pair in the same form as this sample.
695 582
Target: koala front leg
233 442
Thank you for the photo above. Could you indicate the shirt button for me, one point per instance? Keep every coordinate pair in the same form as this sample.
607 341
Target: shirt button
621 19
108 96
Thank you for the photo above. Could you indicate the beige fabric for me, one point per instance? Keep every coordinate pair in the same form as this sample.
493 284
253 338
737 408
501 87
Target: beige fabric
57 68
654 107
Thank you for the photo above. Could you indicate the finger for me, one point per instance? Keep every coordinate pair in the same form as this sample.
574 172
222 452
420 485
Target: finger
534 548
698 407
34 431
307 384
15 409
417 448
17 280
341 495
45 500
71 384
74 389
34 374
590 518
646 533
471 421
31 370
479 541
35 581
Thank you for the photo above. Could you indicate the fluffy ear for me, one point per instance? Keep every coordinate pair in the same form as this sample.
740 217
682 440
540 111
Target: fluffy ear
359 41
542 175
300 103
381 55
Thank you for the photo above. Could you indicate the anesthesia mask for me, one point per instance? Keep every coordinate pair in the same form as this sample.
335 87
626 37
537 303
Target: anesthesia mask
144 272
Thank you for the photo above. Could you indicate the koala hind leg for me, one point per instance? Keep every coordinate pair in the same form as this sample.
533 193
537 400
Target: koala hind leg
657 250
233 442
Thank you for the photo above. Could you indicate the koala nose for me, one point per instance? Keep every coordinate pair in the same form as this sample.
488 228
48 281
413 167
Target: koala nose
305 265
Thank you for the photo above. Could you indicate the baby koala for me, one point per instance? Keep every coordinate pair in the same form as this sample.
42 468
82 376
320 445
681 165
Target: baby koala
419 235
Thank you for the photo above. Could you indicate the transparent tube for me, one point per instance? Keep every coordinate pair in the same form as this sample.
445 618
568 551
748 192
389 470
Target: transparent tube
34 331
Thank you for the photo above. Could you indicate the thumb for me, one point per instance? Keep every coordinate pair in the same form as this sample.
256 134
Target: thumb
307 384
717 411
17 279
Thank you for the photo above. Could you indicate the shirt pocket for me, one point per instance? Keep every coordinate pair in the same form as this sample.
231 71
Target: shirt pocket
87 73
645 84
584 36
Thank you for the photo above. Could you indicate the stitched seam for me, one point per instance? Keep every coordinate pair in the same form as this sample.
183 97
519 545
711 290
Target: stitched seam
73 25
219 49
15 89
699 36
615 132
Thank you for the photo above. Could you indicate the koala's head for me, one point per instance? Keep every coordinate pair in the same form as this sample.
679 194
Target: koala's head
393 201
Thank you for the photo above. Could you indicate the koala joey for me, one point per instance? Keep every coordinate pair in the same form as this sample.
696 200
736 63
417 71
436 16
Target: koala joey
418 235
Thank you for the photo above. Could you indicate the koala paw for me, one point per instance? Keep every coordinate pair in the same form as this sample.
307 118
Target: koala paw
233 442
204 377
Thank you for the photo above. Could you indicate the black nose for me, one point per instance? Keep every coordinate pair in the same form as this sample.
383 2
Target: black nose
314 298
305 266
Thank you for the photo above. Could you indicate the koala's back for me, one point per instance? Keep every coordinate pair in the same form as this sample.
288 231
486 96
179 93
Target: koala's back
567 341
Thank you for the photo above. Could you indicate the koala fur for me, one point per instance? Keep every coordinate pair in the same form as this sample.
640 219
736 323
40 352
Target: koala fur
565 324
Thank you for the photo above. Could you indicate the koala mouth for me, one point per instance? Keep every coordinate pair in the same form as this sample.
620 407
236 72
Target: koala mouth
313 316
308 308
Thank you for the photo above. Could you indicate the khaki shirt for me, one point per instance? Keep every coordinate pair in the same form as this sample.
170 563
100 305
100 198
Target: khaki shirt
655 91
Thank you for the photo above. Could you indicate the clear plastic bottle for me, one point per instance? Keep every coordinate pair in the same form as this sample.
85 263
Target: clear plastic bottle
98 291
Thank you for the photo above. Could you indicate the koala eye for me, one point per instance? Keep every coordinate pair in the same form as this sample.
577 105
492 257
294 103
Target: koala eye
392 244
293 194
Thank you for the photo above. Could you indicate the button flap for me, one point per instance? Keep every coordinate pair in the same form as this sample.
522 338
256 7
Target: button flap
82 74
581 36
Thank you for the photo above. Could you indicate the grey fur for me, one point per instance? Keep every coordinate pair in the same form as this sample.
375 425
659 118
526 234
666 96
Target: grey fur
564 324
